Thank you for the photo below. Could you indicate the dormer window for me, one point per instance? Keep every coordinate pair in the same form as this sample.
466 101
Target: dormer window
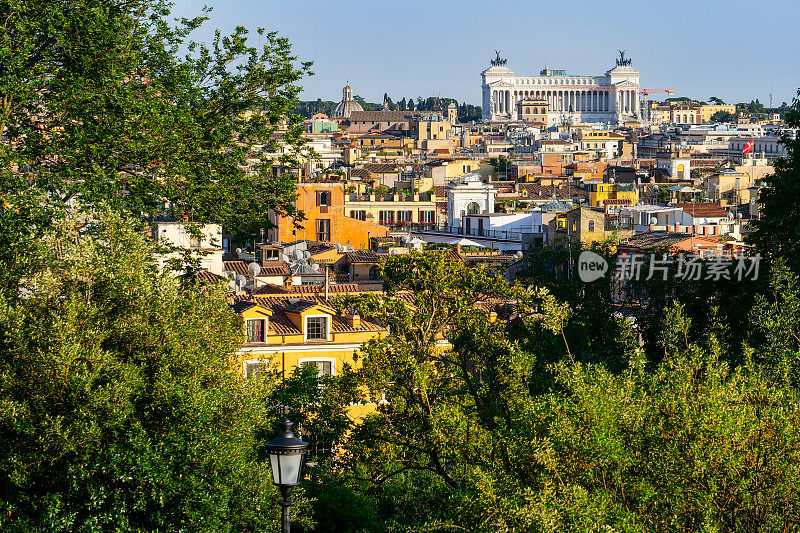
317 328
256 330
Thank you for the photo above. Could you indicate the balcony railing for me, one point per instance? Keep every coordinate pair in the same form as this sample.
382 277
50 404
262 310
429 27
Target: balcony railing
424 197
433 228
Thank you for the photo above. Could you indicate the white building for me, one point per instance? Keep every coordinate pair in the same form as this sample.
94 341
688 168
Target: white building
208 249
611 98
505 225
468 196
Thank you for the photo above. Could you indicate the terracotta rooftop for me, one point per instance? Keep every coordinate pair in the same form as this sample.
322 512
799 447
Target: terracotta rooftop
363 256
280 324
702 209
382 116
381 168
275 268
237 267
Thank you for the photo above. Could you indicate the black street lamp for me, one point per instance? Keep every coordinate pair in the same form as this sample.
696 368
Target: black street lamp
286 457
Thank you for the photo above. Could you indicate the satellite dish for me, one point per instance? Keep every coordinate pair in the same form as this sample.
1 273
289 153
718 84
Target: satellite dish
342 169
518 255
254 269
298 255
339 247
653 220
306 254
730 215
285 258
232 284
739 216
611 180
239 252
241 281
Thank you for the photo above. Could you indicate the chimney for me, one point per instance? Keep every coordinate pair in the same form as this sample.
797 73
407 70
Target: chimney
287 283
652 227
354 319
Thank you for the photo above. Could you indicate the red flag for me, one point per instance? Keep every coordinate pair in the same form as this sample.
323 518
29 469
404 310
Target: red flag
748 146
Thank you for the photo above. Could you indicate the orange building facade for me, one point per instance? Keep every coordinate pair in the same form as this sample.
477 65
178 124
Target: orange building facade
325 220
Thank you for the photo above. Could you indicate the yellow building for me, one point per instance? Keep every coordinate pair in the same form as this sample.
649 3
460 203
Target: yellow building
684 114
707 111
585 225
533 111
434 129
282 333
659 114
604 140
323 206
600 192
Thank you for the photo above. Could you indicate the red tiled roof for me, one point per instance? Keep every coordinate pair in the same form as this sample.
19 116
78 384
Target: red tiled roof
702 209
280 323
271 288
363 256
204 276
275 268
238 267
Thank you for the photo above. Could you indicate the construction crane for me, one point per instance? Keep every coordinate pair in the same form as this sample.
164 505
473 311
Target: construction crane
654 91
645 104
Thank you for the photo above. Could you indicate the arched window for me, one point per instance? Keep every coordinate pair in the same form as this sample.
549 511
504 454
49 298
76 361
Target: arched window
324 198
591 226
473 208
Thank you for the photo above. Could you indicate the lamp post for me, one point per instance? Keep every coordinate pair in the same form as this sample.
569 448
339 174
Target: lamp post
286 457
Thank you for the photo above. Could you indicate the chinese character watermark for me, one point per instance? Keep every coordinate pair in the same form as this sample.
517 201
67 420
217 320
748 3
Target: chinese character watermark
685 267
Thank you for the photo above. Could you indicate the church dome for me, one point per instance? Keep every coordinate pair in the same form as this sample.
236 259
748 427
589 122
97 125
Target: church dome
344 108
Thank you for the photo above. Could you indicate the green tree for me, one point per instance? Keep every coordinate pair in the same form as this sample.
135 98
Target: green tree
103 106
685 443
778 229
501 164
120 405
722 116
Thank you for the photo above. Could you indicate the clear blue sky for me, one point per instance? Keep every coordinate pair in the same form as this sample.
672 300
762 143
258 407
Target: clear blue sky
732 49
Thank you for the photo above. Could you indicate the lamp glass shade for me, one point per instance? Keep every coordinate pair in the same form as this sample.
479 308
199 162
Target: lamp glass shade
286 468
286 456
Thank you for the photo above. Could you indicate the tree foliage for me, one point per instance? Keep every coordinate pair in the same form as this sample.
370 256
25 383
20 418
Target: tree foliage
120 406
778 228
111 104
479 435
722 116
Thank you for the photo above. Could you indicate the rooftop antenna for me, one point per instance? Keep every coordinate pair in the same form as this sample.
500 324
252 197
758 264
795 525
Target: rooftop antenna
770 97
